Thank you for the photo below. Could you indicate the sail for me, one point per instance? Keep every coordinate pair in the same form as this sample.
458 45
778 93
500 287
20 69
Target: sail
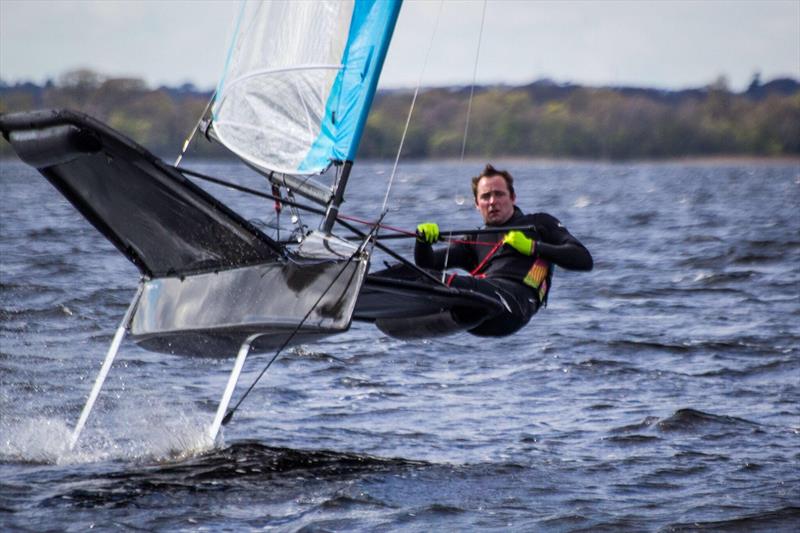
300 79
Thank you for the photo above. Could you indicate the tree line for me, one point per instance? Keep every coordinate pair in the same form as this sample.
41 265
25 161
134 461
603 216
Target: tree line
541 119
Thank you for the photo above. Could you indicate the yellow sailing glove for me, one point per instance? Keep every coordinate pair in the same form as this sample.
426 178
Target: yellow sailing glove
428 232
521 243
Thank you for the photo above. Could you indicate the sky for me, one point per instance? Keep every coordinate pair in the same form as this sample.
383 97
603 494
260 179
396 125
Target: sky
663 44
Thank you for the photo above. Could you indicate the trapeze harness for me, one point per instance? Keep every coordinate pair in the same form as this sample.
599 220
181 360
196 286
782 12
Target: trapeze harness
520 300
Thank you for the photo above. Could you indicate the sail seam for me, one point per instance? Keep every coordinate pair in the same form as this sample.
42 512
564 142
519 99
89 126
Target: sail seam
257 161
242 125
261 72
309 122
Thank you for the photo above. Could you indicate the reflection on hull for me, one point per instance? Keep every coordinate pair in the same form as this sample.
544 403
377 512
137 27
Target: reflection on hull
221 343
211 314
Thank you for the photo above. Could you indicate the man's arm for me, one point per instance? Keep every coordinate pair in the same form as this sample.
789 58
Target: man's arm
426 257
454 256
560 247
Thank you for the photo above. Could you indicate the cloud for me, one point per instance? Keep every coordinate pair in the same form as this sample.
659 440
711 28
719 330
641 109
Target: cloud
668 44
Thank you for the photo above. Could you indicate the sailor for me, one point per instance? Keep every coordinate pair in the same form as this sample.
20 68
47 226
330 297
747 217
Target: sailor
515 267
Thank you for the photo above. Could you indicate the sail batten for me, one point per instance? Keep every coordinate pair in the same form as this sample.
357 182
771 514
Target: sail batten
300 79
262 72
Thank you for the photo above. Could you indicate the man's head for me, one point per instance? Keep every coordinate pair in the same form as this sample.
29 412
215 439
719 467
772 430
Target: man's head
493 191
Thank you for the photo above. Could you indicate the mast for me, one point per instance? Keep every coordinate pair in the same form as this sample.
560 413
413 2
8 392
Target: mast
338 198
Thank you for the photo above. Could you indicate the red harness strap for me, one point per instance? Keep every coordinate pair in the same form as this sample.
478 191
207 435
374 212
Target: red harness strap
482 264
477 269
276 192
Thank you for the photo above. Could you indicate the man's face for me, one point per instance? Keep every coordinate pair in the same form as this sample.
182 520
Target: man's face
494 201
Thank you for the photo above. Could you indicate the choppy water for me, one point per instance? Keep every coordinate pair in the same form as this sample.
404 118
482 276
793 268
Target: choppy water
659 392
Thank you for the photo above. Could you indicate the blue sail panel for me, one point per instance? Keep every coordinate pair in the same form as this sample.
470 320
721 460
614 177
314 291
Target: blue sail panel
351 95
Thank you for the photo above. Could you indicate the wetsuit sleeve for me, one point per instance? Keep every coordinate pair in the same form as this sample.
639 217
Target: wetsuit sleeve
460 257
560 247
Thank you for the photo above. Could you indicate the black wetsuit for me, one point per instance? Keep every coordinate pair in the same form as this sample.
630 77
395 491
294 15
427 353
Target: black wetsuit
520 282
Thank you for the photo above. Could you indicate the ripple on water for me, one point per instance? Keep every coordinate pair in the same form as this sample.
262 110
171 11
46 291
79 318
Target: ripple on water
659 391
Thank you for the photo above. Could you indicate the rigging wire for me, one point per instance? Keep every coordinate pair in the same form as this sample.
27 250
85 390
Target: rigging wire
194 130
228 57
297 218
446 257
342 219
248 190
406 233
466 122
474 77
411 108
229 415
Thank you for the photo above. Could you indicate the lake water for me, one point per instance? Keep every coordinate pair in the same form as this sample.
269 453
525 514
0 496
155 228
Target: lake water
659 392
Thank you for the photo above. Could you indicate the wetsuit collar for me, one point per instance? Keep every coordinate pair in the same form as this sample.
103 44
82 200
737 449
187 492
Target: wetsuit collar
510 222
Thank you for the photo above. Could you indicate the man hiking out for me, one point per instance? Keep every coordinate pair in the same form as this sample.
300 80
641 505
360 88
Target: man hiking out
514 267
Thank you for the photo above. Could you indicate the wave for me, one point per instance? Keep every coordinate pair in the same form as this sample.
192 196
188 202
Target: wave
240 465
784 519
623 291
44 440
772 366
344 502
644 424
686 419
253 459
745 344
718 278
630 345
607 366
744 253
45 232
632 439
691 419
643 218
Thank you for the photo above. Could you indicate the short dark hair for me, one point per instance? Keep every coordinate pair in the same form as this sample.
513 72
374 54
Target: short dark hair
488 172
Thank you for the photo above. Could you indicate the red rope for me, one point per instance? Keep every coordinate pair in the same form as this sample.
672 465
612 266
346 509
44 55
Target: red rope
276 192
382 226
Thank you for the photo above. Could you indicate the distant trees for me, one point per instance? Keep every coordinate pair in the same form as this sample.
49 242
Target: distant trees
158 119
543 119
586 122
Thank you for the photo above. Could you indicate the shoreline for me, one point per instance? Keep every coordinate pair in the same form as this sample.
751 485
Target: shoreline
516 159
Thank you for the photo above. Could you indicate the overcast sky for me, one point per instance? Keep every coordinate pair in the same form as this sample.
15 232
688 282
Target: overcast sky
666 44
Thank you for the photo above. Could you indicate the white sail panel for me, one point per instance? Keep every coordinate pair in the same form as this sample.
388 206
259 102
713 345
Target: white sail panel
282 65
285 102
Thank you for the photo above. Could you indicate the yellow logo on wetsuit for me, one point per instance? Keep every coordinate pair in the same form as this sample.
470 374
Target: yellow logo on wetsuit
537 277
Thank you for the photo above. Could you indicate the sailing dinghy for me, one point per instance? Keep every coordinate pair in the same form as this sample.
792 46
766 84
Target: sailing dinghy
292 103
